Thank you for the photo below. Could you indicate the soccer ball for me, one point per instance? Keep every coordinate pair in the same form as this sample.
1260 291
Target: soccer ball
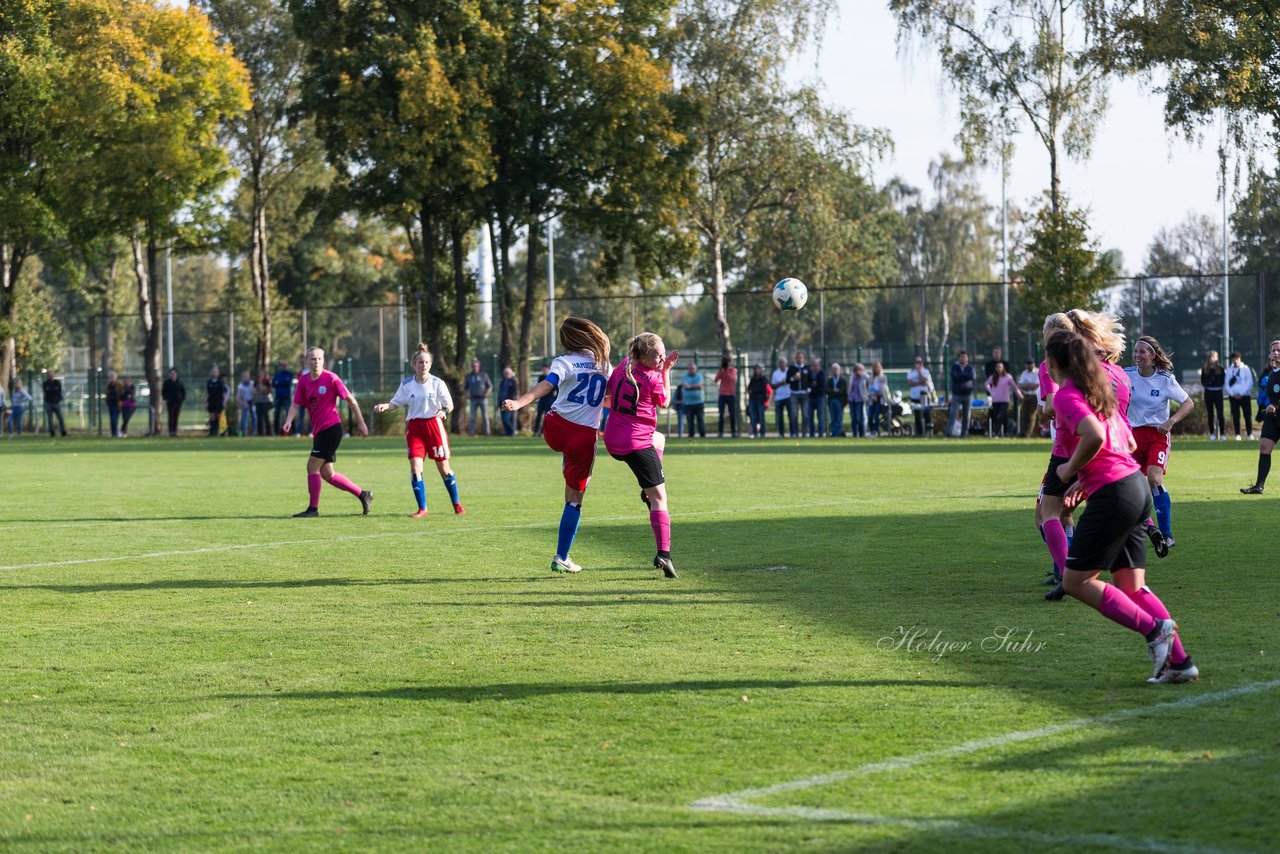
790 294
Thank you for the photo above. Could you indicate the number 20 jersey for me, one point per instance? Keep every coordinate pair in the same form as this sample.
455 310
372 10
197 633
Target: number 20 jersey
580 384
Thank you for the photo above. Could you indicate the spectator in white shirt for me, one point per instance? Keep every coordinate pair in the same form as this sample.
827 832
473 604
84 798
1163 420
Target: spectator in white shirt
1240 390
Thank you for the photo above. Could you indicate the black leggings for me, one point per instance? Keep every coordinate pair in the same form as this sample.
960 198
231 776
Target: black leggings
1247 404
1213 404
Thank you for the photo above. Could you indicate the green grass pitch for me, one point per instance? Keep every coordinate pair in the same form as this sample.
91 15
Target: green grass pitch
184 667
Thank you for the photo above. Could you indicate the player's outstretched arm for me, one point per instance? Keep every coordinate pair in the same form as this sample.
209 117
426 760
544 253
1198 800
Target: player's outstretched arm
541 390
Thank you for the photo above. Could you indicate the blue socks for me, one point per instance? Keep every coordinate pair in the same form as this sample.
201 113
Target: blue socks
1164 510
568 529
451 484
419 492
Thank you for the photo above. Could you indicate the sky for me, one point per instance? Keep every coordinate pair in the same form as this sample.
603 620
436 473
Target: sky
1139 178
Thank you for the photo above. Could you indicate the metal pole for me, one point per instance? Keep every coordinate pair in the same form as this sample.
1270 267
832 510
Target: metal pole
304 333
1004 246
231 345
1226 280
382 350
1142 306
822 323
168 297
551 285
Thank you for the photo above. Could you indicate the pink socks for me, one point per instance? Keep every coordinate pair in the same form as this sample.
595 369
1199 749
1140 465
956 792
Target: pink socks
1056 539
342 483
313 489
1150 602
660 520
1121 609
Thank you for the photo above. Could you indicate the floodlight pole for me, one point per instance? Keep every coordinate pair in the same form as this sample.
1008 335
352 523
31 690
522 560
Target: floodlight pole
168 297
551 287
1226 279
1004 245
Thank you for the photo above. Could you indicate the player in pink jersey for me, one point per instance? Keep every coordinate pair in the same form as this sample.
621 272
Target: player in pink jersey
1110 536
318 392
578 377
637 387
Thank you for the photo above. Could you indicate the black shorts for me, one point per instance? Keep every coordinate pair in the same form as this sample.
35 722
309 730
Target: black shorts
646 465
325 443
1109 535
1270 427
1051 485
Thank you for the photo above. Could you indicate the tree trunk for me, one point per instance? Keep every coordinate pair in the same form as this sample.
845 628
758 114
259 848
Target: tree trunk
506 293
108 325
461 342
144 268
718 292
435 335
10 266
528 311
259 272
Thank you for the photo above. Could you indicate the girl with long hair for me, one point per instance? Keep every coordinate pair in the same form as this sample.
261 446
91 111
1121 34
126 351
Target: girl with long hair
1154 385
1213 379
427 403
1268 401
1109 537
578 377
637 388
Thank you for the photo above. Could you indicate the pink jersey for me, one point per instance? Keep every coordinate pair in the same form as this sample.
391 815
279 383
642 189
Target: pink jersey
1114 459
1123 388
1063 444
633 413
320 395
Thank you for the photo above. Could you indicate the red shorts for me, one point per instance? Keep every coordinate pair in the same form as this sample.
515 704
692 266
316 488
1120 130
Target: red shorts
1153 448
578 445
426 439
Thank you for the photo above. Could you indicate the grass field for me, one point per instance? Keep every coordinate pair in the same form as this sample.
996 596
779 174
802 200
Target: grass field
183 666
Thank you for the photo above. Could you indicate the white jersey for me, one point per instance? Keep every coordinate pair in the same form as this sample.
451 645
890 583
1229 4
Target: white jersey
580 386
1149 405
423 400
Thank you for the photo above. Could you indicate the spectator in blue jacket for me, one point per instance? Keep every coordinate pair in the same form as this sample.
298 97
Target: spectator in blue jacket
282 384
694 408
508 389
962 383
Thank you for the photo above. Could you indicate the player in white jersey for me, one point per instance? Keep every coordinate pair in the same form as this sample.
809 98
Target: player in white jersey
427 401
578 377
1153 387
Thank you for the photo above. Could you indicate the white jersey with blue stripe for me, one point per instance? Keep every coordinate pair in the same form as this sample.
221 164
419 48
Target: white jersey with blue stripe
1149 405
423 400
580 386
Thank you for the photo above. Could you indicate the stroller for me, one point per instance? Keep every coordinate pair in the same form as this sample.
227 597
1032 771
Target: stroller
899 416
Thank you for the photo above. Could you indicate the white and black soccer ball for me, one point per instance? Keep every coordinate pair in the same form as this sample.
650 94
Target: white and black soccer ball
790 294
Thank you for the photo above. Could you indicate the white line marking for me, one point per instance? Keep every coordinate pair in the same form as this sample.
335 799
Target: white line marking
737 802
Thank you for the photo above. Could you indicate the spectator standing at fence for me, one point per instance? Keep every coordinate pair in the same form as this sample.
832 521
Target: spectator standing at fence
726 380
877 398
858 383
1213 378
52 388
478 386
799 376
1240 390
216 395
694 403
963 380
1029 384
1268 401
282 385
19 401
816 408
508 389
837 389
244 403
758 391
111 393
997 357
1002 389
920 384
782 401
128 405
173 393
545 403
262 403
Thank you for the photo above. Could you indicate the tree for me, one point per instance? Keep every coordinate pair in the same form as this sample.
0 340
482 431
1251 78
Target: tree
1064 269
1044 63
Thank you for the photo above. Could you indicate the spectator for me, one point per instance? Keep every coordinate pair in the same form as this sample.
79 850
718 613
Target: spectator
545 403
262 403
837 390
282 384
19 401
963 380
1213 378
128 405
694 410
858 394
53 403
782 399
478 386
997 357
216 395
112 394
727 399
244 403
508 389
173 393
816 409
677 403
877 397
920 384
4 419
1002 388
798 376
1029 384
758 391
1240 390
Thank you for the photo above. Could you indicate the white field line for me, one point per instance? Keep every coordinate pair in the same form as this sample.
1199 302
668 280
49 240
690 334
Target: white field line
467 529
738 802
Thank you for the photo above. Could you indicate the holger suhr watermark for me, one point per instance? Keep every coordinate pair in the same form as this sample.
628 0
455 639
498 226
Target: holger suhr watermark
923 641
